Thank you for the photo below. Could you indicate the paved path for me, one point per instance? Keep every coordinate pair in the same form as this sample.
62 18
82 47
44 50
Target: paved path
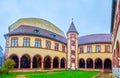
104 75
20 76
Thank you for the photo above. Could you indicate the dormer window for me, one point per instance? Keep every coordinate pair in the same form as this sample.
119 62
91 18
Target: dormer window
36 31
53 35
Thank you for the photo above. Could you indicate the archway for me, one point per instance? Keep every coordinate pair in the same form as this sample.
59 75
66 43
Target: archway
107 64
25 61
55 62
98 63
36 61
81 63
62 64
89 63
47 62
16 60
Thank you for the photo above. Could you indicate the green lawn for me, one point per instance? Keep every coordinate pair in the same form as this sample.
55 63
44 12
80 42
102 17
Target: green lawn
54 74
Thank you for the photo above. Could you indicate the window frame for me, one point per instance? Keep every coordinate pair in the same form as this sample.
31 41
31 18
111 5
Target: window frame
15 41
27 40
63 48
98 47
106 49
56 46
89 50
47 44
82 49
36 43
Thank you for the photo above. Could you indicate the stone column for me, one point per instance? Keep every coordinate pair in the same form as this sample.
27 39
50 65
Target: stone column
103 66
31 65
93 64
19 63
42 65
59 64
85 65
51 65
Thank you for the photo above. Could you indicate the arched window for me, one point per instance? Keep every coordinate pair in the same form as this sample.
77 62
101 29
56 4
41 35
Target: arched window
81 63
89 63
25 61
47 62
37 61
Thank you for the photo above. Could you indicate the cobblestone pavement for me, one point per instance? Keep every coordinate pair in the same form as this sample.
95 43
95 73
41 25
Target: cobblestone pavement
104 75
20 76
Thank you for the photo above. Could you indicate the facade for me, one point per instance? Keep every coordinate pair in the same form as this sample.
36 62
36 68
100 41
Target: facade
115 30
1 56
37 44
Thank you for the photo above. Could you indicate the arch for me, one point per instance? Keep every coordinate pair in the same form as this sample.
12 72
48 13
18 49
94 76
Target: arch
37 61
56 62
62 63
98 63
89 63
25 61
81 63
47 62
107 64
16 60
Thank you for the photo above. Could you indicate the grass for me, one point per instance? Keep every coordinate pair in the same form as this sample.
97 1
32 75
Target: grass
54 74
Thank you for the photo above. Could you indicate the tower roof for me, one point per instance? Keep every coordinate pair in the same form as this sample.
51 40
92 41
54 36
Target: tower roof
72 28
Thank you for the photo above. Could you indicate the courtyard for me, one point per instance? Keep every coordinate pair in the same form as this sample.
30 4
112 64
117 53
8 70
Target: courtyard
52 74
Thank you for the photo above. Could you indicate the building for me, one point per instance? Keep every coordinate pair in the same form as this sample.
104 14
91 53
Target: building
115 30
1 56
37 44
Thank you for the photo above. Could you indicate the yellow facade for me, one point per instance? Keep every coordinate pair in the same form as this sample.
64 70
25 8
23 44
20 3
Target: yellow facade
50 58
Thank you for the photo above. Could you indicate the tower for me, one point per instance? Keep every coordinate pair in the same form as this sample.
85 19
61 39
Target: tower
72 45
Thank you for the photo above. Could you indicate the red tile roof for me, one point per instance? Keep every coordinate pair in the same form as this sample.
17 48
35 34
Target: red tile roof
94 39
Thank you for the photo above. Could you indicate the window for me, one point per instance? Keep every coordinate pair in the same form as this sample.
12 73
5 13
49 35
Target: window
73 60
14 42
73 52
97 48
37 43
107 48
72 35
63 48
81 50
48 44
36 31
89 48
73 43
56 46
26 42
53 35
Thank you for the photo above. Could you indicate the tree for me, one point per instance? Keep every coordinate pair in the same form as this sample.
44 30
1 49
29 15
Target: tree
8 64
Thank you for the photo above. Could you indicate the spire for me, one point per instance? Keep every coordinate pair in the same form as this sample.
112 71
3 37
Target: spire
72 28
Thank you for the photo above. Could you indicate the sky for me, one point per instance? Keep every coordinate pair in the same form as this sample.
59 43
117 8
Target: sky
89 16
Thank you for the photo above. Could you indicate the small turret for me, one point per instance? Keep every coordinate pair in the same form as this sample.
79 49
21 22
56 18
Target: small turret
72 45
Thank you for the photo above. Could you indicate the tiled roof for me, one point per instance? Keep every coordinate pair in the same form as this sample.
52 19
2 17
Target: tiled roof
95 38
72 28
30 30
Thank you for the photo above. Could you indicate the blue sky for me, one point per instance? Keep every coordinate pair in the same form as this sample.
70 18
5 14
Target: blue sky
89 16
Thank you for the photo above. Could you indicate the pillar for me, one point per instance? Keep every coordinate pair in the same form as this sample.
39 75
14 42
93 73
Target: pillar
31 65
85 65
19 63
42 65
59 65
103 66
51 64
93 64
